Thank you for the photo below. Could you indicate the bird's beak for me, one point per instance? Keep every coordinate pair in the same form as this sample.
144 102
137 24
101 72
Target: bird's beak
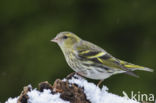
55 40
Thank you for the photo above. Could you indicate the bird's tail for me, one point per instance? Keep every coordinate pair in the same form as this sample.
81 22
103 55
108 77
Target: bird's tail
137 67
145 69
133 67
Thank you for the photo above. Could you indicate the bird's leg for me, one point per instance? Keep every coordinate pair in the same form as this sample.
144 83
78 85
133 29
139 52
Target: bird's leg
79 73
71 75
100 82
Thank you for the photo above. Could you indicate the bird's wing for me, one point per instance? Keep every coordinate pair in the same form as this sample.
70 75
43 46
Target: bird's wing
91 52
99 57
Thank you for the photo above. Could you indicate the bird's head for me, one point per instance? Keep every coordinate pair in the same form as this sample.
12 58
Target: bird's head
66 39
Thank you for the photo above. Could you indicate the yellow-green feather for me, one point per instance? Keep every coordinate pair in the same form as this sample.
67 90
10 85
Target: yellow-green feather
97 55
134 67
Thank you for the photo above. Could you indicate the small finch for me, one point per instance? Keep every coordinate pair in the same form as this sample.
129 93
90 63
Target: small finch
91 61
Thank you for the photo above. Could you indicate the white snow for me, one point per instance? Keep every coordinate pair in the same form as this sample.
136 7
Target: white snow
93 93
12 100
44 97
36 96
97 95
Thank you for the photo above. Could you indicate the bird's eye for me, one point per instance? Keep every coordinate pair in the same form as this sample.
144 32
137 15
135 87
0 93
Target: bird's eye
65 37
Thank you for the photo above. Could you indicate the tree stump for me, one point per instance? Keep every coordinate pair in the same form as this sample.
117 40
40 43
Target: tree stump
69 92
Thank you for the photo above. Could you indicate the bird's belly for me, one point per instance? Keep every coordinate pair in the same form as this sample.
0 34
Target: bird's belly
88 71
97 74
91 72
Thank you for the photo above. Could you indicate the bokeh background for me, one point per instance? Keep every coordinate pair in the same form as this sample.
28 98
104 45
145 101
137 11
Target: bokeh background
126 29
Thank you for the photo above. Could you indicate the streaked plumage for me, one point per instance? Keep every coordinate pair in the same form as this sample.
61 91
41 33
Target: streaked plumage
90 60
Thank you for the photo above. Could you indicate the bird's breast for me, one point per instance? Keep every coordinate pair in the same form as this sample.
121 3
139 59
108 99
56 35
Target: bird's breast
72 60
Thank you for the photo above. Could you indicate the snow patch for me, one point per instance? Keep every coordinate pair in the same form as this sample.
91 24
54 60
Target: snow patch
93 93
44 97
12 100
36 96
97 95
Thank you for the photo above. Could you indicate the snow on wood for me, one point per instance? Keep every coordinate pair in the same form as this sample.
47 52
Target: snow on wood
72 89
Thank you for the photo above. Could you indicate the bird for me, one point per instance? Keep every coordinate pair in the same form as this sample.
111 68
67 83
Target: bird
91 61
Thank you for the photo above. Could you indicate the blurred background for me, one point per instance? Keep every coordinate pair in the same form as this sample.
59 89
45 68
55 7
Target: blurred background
126 29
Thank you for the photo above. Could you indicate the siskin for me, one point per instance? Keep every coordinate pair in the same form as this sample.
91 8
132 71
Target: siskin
91 61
